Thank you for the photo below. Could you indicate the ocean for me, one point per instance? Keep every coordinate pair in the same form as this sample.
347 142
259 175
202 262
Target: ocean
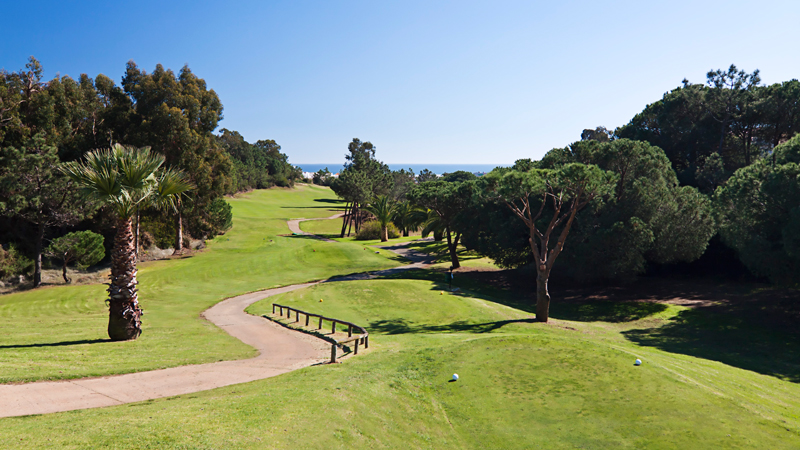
417 168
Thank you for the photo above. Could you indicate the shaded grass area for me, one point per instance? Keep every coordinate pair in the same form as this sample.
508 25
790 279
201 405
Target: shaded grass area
566 384
755 332
749 326
60 332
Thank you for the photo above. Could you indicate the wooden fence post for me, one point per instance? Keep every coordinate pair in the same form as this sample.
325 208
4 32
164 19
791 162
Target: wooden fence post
333 327
333 353
349 331
307 317
273 308
296 315
356 352
320 323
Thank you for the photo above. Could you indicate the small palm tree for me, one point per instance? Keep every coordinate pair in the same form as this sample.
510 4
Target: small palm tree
383 209
432 223
408 217
123 177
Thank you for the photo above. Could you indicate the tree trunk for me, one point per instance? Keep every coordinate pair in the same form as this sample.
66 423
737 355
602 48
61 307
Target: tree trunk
37 266
350 220
542 296
124 318
179 233
344 219
384 233
405 232
452 246
64 271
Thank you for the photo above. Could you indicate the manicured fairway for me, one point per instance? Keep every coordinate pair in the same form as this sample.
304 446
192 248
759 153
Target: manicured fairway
522 385
565 384
59 332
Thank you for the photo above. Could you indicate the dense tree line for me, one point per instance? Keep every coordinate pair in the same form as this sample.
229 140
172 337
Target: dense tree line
710 130
44 124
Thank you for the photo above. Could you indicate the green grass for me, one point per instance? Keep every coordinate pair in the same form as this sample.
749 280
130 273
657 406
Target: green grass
570 383
328 228
59 332
566 384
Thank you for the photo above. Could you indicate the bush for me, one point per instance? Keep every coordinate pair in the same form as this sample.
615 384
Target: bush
220 216
372 230
156 230
13 263
84 248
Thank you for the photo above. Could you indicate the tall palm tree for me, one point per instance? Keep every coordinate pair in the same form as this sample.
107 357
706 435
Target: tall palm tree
383 209
123 177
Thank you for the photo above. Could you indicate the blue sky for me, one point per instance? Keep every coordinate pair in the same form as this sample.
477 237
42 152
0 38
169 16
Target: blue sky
425 81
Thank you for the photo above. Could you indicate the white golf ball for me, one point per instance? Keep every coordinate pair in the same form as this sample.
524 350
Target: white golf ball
638 362
455 377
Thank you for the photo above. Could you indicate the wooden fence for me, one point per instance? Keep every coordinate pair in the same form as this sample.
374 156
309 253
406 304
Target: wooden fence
363 337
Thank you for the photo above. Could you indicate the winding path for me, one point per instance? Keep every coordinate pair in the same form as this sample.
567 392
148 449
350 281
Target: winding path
280 350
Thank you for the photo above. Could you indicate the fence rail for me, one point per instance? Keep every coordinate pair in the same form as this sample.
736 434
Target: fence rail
363 338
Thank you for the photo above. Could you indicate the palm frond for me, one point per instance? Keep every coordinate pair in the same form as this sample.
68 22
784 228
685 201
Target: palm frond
137 167
171 185
124 177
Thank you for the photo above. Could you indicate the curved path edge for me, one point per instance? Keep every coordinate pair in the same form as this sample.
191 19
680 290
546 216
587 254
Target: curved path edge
280 350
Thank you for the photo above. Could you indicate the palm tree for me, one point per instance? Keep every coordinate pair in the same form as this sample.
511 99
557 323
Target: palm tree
123 177
432 223
383 209
409 217
169 199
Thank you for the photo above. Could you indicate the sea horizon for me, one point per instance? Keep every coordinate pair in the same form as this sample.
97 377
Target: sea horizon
438 169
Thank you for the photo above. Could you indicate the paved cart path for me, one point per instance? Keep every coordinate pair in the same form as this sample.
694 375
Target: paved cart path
280 350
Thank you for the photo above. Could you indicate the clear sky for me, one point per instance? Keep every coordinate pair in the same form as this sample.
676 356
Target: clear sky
425 81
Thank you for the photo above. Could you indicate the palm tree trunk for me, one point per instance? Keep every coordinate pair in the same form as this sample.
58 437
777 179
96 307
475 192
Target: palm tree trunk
179 233
136 243
37 265
384 233
124 318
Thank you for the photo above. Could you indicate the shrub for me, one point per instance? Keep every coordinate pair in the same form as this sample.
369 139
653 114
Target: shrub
84 248
372 230
220 216
156 230
13 263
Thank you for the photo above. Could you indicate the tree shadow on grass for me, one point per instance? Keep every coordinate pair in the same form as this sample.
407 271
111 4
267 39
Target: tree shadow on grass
743 334
605 311
56 344
588 310
401 326
745 325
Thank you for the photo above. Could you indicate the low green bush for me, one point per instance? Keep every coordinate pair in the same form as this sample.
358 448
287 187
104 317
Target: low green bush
372 230
13 263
